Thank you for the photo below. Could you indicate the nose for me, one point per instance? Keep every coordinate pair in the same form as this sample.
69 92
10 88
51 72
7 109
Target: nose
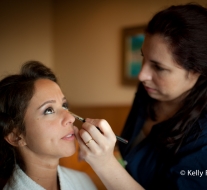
145 74
68 118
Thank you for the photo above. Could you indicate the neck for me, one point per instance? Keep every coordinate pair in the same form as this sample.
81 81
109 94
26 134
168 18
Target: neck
165 110
44 175
42 171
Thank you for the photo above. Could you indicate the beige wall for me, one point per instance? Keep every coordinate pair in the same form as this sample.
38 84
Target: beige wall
25 33
80 40
88 47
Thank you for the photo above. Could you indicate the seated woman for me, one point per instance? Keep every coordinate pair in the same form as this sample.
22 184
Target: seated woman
36 131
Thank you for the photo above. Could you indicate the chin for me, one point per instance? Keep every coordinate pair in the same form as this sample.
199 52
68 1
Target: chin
69 152
158 97
154 96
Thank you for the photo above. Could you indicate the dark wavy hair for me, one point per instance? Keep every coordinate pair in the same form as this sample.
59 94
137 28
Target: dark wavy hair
16 92
184 27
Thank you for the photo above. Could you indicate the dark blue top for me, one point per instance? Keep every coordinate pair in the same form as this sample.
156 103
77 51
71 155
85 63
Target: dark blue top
155 169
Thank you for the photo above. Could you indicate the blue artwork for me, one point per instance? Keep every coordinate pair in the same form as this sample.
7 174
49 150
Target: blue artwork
134 58
136 42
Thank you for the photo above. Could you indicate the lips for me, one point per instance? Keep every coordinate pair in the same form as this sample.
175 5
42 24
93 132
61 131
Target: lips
69 136
149 89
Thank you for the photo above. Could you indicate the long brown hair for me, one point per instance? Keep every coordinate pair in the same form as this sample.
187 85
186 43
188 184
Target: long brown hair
15 93
184 27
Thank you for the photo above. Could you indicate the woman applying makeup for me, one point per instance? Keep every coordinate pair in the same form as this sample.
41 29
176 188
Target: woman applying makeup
36 131
167 124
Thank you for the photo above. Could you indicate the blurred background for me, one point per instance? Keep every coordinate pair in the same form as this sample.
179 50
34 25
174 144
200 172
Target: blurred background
82 42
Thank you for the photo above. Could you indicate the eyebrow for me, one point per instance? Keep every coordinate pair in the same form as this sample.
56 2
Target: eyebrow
49 101
159 64
155 62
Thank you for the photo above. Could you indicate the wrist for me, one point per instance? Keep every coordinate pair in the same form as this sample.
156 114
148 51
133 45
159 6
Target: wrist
106 166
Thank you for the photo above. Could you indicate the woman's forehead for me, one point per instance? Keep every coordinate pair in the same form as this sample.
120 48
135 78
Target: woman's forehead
45 89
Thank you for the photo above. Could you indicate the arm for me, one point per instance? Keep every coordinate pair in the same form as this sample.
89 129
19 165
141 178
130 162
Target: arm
98 153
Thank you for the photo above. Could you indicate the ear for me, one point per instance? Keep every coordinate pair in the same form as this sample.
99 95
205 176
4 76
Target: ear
15 140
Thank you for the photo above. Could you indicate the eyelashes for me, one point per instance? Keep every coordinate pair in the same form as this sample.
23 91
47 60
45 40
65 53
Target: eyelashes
158 68
65 106
155 64
50 110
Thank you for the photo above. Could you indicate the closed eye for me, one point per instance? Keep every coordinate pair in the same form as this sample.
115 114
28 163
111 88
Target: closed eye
158 68
49 111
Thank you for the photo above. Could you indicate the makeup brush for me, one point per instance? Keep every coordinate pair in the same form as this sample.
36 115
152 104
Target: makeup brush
83 120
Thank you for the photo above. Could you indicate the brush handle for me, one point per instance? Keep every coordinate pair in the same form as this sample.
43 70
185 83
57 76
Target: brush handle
83 120
117 137
121 139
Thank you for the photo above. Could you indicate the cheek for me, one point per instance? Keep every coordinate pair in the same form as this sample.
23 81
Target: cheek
41 140
161 83
172 89
37 132
167 86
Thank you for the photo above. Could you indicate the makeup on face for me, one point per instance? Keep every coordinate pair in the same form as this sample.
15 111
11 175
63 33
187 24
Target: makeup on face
83 120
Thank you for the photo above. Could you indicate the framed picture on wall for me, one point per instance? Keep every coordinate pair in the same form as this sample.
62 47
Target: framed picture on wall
132 40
